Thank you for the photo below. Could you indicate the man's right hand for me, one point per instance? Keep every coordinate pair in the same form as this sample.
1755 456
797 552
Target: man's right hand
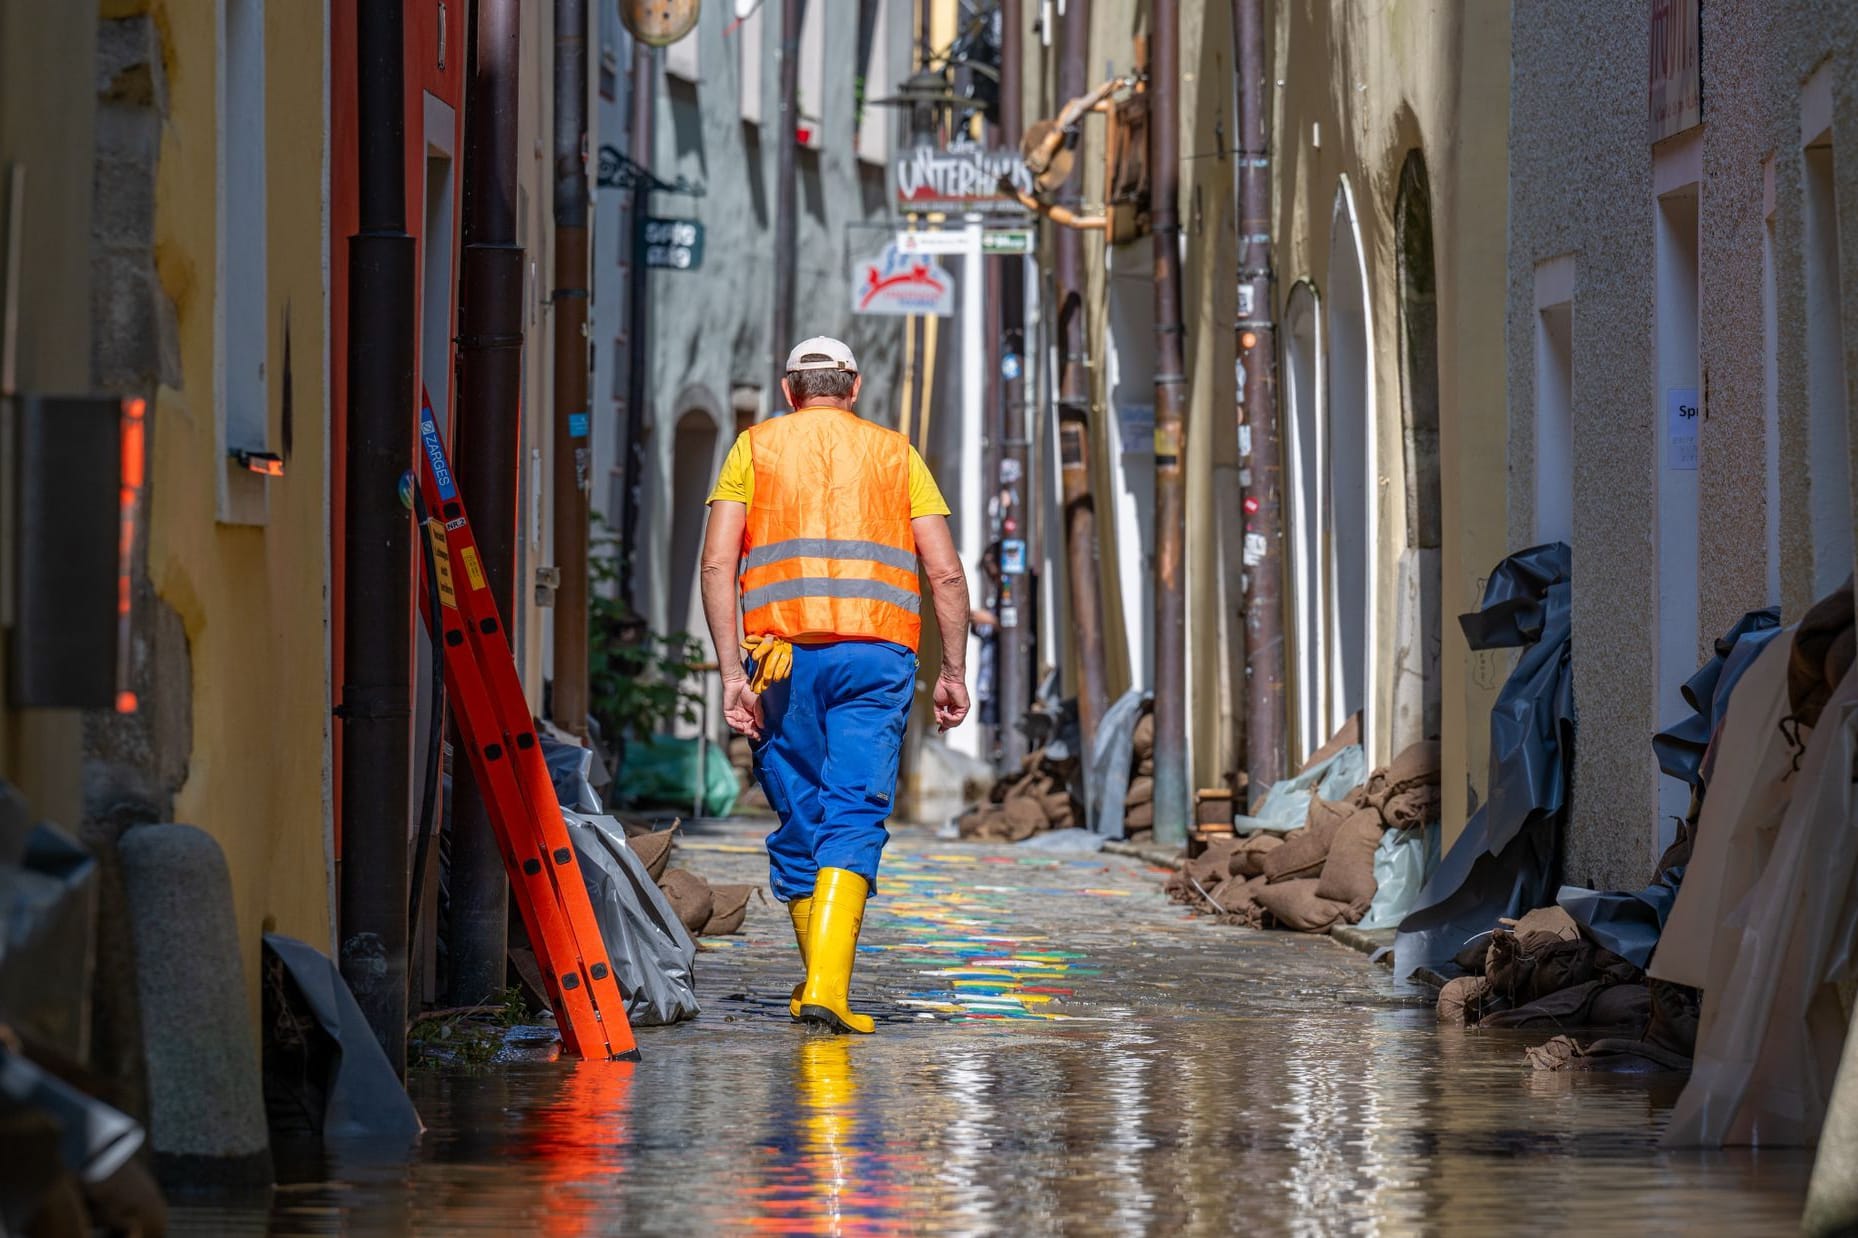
951 701
742 708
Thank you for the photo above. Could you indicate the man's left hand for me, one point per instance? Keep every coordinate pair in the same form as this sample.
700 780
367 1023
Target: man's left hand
742 708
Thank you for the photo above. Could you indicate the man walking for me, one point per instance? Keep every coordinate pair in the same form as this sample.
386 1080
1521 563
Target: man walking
826 515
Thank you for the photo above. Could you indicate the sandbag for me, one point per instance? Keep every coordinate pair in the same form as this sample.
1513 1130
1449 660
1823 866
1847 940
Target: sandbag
1213 865
728 908
1056 805
1296 905
1141 791
1022 818
690 898
1143 741
1406 791
1141 817
653 850
1461 1001
1304 851
1248 859
1348 872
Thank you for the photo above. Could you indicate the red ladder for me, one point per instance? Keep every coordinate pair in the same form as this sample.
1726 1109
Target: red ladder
494 722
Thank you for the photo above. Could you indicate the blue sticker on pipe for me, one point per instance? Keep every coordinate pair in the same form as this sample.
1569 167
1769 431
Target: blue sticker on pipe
577 425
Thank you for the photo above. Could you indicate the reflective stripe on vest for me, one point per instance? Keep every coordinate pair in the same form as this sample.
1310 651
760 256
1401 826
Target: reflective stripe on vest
828 549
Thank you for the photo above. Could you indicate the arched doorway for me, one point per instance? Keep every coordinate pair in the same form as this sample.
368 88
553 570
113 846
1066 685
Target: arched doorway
693 467
1303 474
1348 481
1416 686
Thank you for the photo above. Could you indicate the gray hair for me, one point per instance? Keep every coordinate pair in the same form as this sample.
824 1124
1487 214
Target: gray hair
821 384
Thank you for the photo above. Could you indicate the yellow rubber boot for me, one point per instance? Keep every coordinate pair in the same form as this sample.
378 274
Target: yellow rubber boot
801 909
831 948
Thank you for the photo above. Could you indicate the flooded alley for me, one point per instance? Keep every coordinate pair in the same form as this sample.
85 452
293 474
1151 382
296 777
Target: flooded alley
1059 1049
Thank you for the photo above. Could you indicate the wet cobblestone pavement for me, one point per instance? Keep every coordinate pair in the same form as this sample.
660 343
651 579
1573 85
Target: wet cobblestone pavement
1059 1050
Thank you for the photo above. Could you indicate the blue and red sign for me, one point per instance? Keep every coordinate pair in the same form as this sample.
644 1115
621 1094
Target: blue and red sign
898 283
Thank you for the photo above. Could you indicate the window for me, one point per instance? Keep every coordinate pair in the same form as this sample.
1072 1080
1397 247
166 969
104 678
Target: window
751 47
876 125
242 318
1829 490
1351 481
1305 500
810 115
1554 401
1678 425
681 59
611 46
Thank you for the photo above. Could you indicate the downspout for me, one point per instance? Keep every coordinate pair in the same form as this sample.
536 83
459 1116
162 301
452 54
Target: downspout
1260 464
573 454
1074 415
378 569
638 288
780 327
1173 796
487 447
1013 658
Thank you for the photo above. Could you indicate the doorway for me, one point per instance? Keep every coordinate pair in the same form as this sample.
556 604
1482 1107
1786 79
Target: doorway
1349 530
1417 695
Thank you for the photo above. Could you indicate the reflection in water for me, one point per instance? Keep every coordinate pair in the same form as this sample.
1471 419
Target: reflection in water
1196 1080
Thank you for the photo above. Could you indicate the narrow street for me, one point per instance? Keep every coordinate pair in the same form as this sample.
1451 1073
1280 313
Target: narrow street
1059 1049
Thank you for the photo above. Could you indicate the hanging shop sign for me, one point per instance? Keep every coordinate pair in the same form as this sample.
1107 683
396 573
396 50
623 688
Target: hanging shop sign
964 177
1676 87
1011 241
895 282
674 244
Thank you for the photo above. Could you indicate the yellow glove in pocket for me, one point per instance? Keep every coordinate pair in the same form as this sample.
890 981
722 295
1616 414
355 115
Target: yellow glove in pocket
773 658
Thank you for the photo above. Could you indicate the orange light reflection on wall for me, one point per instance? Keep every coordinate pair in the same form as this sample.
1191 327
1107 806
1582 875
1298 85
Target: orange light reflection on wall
129 498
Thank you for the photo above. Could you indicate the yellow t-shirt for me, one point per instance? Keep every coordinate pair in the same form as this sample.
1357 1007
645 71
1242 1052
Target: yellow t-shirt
736 482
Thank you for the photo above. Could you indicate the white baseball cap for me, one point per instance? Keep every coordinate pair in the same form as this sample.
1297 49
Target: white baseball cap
821 353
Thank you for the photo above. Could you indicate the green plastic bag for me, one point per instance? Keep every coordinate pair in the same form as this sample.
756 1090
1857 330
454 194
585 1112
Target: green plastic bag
662 772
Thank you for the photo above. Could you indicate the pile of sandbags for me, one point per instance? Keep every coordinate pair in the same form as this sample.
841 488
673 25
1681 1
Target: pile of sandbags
1139 800
1321 873
706 910
1036 799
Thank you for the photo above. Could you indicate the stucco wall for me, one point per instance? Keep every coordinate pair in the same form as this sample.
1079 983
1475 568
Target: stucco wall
1358 88
1581 179
251 598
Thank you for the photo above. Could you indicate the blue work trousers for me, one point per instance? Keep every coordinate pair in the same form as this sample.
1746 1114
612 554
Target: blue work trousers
827 759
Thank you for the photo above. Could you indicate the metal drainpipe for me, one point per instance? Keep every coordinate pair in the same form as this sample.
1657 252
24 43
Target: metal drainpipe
487 446
1173 796
780 327
573 426
638 309
1260 463
1013 654
1074 414
377 611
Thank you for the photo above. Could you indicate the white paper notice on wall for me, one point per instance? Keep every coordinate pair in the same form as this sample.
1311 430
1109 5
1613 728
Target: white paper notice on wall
1681 414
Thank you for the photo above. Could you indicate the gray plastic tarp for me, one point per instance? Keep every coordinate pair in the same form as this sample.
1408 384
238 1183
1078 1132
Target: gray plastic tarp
1106 780
362 1097
1506 862
1286 806
653 957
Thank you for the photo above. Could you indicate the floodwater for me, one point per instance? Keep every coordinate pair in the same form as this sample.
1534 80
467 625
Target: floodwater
1059 1051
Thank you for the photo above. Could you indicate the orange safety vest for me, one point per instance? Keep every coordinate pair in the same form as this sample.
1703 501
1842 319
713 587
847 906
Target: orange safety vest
828 553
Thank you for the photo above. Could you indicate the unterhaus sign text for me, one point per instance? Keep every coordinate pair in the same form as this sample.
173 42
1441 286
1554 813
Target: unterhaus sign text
933 178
